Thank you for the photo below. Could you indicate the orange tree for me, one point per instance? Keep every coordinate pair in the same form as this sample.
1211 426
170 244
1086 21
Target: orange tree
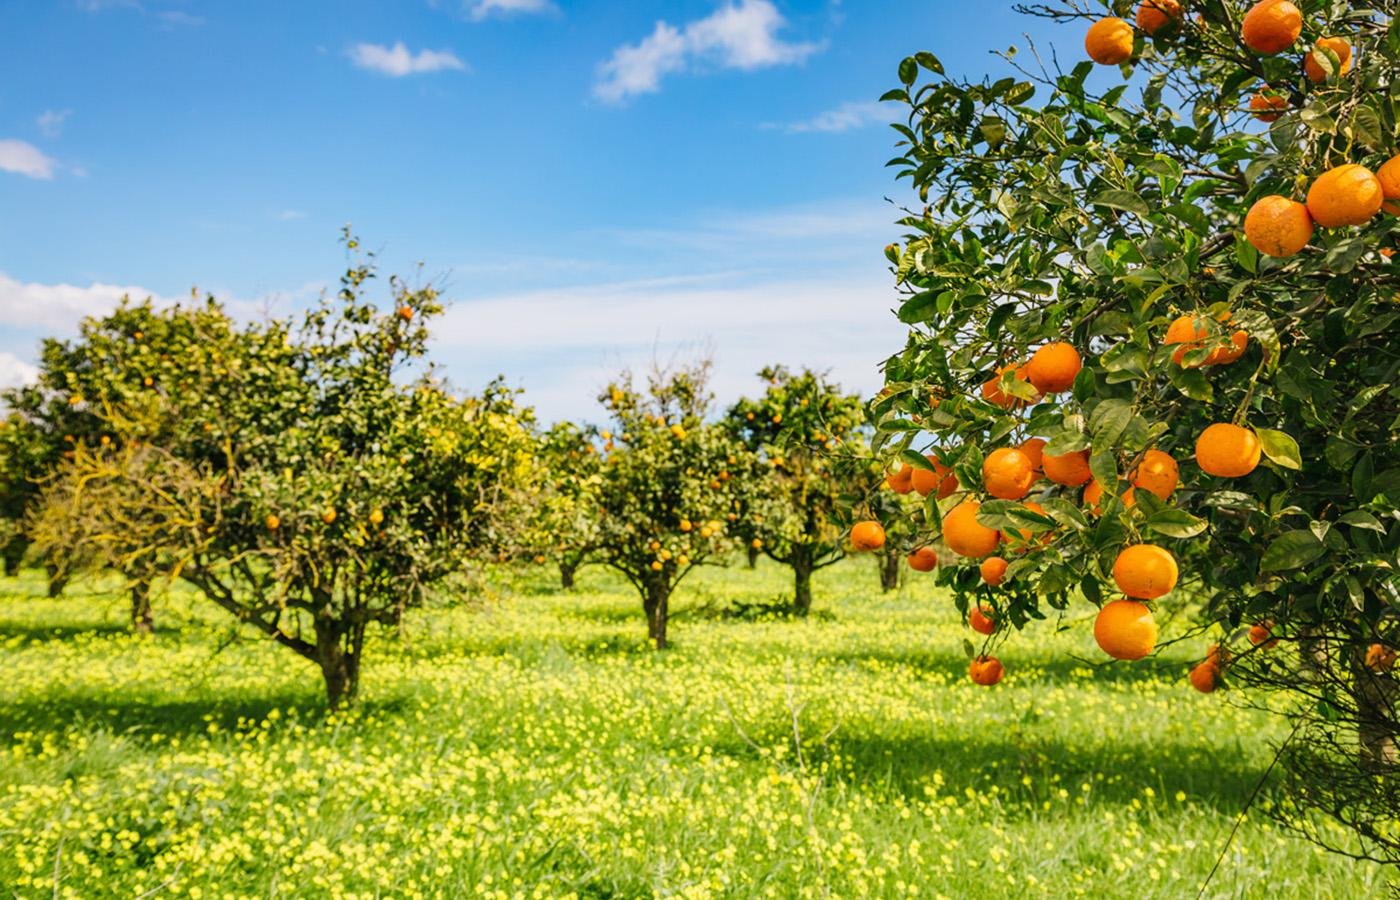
667 486
796 431
300 477
557 512
133 352
1175 270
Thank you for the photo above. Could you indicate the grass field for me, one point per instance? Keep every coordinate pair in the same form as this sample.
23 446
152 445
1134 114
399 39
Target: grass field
532 746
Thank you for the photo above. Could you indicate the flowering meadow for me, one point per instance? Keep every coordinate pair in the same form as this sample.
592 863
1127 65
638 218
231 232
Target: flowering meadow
532 744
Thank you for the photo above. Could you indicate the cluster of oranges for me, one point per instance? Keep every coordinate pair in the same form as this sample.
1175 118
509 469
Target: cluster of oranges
1343 196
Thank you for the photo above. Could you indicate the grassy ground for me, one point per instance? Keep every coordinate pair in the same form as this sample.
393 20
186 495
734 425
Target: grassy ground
534 747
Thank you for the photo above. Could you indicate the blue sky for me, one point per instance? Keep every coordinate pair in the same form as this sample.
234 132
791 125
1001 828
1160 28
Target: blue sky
594 183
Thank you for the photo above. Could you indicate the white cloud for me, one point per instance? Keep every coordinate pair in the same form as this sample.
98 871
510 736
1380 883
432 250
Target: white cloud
172 18
846 117
15 371
481 9
397 61
742 35
291 215
51 122
59 307
25 159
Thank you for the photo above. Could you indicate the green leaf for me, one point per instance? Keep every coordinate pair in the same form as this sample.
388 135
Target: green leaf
1177 523
1359 518
1280 448
1291 550
916 459
1124 200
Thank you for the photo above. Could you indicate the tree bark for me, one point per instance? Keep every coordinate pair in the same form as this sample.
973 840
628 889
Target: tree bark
338 652
142 622
656 601
802 583
753 556
566 576
13 553
57 579
1376 719
889 571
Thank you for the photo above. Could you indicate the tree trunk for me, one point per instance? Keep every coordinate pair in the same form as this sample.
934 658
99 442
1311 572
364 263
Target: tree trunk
566 576
338 653
802 586
753 556
57 579
889 571
142 622
14 554
1376 719
658 596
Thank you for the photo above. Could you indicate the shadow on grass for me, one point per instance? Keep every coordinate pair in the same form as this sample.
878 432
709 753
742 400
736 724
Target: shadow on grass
38 633
184 716
1052 668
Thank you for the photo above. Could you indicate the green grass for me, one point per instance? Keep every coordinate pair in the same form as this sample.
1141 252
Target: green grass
533 746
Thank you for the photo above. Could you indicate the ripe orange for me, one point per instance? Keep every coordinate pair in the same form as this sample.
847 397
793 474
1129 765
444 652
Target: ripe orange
993 394
1278 226
272 523
1205 676
328 516
1263 633
980 620
1109 41
1157 473
1227 450
1189 333
1007 474
1267 107
923 559
1145 571
1155 15
1380 658
966 536
985 670
1070 469
1053 368
1034 448
941 479
1346 195
1312 63
867 535
1271 26
406 313
902 481
1125 629
993 570
1389 177
1093 493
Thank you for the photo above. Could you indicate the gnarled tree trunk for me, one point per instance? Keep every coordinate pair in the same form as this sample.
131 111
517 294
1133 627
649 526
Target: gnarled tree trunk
58 579
658 596
142 621
889 571
338 647
802 581
753 555
566 575
13 553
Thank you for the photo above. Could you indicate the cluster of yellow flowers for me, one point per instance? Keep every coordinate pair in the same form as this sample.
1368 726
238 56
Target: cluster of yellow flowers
536 748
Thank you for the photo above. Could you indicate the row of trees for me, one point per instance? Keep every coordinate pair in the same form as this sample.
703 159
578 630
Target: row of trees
315 477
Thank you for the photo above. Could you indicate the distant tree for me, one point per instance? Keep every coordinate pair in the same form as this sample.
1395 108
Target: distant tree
558 511
802 432
305 483
667 486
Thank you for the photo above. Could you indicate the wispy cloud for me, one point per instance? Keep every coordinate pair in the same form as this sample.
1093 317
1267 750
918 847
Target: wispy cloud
846 117
291 215
483 9
741 35
397 61
15 371
51 121
25 159
58 307
174 18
